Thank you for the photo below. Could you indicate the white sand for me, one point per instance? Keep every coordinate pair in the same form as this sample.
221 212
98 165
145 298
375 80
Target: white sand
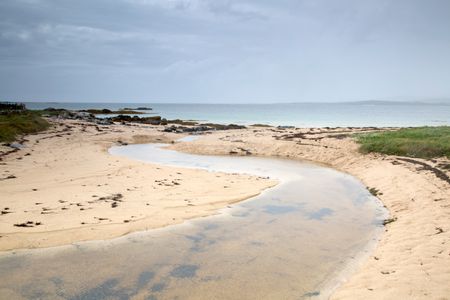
412 260
68 184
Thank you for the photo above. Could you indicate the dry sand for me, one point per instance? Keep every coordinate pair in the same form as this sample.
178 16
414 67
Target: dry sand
67 188
412 260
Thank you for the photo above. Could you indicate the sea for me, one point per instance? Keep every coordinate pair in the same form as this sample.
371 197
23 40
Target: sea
348 114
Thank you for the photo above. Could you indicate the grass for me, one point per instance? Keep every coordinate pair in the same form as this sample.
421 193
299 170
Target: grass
420 142
375 192
17 123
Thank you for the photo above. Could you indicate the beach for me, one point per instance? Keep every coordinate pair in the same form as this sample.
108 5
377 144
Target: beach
70 189
64 187
412 259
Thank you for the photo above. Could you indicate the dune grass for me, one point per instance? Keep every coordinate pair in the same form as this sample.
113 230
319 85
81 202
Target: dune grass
420 142
17 123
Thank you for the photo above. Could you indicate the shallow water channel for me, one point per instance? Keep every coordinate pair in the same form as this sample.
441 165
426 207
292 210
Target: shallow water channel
296 240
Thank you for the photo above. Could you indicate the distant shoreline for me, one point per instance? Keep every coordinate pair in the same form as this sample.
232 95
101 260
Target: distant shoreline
431 102
303 115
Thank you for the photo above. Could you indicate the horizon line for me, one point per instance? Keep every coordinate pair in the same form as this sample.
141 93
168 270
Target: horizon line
442 101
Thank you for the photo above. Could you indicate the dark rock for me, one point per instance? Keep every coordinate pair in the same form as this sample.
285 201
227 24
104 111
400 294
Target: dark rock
246 151
156 120
138 108
104 121
223 127
28 224
182 122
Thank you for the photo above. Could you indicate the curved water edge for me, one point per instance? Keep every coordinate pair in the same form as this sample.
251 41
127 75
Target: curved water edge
300 238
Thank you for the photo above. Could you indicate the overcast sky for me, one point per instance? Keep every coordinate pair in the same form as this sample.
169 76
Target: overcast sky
224 50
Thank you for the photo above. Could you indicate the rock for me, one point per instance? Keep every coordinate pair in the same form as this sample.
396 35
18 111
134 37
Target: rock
138 108
82 114
105 121
246 151
156 120
223 127
182 129
182 122
16 145
170 129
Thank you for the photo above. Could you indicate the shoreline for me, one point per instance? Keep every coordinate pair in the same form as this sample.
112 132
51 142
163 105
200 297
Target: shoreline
64 191
416 199
411 260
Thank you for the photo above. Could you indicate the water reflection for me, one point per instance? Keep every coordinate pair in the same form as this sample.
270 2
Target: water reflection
288 243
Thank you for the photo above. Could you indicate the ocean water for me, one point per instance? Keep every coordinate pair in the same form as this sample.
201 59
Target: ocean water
294 114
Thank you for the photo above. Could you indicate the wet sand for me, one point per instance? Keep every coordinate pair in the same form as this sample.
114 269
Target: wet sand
412 259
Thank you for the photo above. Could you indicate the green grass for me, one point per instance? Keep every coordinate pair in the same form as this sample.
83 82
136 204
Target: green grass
14 124
421 142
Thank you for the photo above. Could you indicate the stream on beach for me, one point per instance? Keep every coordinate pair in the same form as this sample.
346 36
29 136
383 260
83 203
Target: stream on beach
297 240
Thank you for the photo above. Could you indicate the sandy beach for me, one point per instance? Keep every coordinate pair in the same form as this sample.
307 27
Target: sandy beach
412 260
64 187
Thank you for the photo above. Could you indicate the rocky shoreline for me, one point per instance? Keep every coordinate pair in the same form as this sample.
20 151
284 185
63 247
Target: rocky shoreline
128 117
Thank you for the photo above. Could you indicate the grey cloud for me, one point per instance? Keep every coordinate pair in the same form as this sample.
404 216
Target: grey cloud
221 50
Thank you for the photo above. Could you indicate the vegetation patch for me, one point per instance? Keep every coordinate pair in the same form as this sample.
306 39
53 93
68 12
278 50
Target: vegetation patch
420 142
260 125
13 124
389 220
375 192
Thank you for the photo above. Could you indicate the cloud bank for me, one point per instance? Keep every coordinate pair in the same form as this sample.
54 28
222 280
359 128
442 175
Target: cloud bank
224 50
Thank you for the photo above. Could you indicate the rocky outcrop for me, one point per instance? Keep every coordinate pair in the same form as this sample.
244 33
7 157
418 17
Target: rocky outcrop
201 128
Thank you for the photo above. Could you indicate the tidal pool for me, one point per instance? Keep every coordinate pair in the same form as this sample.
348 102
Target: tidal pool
296 240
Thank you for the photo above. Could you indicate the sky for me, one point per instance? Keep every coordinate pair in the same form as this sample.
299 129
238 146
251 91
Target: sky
224 51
